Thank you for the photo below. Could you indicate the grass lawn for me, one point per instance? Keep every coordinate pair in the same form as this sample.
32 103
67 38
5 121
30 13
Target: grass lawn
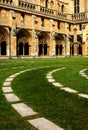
64 109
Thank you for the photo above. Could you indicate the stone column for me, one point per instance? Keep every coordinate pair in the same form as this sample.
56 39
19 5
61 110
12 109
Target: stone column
75 49
14 46
10 42
52 44
68 46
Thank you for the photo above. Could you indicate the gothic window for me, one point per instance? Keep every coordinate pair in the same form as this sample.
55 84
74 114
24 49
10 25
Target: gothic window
42 20
22 17
46 4
62 8
76 6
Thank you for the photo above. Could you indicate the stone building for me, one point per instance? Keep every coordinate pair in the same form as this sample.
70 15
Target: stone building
48 28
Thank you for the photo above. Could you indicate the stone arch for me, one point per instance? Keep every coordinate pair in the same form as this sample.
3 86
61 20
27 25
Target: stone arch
3 40
23 42
43 44
79 40
59 38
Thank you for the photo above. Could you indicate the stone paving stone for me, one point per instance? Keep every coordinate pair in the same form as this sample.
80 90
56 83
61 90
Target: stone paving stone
6 83
51 80
11 97
44 124
23 109
7 89
56 84
67 89
8 79
49 77
83 95
84 75
49 74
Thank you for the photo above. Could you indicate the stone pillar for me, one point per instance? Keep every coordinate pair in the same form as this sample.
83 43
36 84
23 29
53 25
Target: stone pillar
52 44
14 46
75 49
68 47
10 43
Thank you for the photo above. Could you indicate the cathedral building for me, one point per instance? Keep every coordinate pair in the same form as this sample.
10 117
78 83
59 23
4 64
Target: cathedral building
43 28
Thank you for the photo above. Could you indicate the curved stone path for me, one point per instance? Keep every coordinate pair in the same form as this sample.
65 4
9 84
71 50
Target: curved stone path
24 110
20 67
67 89
82 73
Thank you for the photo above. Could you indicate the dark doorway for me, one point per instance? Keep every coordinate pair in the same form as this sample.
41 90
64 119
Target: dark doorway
45 49
26 49
80 49
60 49
57 46
3 48
20 48
40 49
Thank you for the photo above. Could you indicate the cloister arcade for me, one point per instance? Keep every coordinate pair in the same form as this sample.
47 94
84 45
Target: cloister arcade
24 43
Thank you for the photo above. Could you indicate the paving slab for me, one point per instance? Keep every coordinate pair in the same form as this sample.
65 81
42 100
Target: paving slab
11 97
8 79
7 89
83 95
84 75
44 124
23 109
6 83
49 74
56 84
49 77
67 89
51 80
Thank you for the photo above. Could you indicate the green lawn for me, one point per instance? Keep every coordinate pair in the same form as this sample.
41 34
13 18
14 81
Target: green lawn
64 109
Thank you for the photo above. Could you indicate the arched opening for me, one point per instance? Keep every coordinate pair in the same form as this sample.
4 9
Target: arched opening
43 44
45 49
57 52
46 3
3 41
3 48
59 44
79 40
20 49
61 49
26 49
58 7
40 49
71 49
23 43
62 8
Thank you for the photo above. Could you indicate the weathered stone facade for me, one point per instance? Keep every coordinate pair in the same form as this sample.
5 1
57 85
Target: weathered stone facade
36 28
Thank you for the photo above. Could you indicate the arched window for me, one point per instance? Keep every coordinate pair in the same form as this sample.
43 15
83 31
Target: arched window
62 8
76 6
46 4
58 7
